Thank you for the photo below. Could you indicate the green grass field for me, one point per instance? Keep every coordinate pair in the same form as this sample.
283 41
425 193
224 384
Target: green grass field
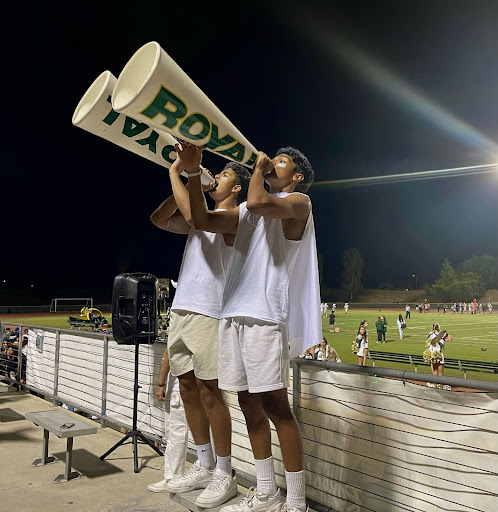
470 333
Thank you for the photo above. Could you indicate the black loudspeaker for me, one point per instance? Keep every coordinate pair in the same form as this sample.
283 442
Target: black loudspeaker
135 308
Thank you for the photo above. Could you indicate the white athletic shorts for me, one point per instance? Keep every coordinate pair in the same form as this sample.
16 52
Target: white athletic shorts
253 355
193 344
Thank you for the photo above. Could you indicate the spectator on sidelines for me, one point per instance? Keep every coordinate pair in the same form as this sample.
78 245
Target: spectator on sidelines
407 311
324 352
379 326
360 345
401 325
9 365
384 330
175 426
331 321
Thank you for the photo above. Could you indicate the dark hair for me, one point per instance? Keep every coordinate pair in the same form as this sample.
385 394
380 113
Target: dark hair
303 167
366 333
400 317
242 178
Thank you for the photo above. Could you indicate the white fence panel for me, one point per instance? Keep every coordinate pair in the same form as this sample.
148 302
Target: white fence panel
40 362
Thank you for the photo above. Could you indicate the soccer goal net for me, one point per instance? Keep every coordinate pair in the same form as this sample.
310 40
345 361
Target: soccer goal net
70 304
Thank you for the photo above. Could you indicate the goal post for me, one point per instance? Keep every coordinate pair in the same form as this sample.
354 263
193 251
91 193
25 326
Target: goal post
70 303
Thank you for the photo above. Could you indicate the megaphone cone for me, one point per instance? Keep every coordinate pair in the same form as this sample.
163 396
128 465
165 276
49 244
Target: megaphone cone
153 89
95 114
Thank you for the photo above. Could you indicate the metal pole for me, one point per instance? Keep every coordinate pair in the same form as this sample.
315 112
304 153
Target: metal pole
44 459
56 365
19 358
103 406
69 458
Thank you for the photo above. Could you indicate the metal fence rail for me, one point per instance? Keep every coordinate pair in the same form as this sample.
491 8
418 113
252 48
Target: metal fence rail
374 439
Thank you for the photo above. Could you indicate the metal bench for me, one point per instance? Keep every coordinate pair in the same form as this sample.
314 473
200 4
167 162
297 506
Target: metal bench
54 421
464 365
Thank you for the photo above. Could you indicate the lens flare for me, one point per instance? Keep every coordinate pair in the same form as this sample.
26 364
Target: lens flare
371 71
408 176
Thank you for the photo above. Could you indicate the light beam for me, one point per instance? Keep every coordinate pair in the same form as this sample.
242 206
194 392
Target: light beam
387 82
408 176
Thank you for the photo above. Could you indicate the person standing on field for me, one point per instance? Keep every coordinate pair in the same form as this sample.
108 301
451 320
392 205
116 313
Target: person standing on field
384 330
331 321
379 326
400 323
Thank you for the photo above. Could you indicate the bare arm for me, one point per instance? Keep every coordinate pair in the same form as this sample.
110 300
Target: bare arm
260 202
180 191
168 217
202 218
215 222
163 374
173 214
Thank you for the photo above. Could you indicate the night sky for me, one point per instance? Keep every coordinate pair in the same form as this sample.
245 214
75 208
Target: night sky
362 88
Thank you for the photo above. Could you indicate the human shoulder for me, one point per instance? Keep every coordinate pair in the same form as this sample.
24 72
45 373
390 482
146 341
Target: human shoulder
301 203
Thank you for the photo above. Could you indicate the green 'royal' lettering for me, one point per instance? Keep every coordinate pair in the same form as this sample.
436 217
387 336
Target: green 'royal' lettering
193 120
251 160
150 141
112 115
132 127
215 141
165 153
236 152
168 105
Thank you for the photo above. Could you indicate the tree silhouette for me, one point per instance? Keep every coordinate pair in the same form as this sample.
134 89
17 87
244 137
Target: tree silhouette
352 270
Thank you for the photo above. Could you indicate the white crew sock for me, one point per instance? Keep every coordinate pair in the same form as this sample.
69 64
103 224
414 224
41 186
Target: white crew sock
205 455
295 489
224 464
265 476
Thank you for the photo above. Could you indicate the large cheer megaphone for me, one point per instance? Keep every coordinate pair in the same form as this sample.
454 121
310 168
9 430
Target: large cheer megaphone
153 89
95 114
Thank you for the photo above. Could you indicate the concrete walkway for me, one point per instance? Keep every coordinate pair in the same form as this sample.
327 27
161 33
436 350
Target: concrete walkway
108 486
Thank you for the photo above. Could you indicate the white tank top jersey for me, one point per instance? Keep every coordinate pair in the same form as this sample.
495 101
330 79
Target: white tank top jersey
200 282
274 279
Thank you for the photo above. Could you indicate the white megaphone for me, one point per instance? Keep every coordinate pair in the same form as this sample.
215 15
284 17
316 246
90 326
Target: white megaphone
95 114
153 89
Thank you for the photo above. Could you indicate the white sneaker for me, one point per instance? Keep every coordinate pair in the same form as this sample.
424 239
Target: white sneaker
158 487
256 501
222 488
196 477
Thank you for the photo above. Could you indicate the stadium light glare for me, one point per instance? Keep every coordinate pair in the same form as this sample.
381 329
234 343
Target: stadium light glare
387 82
410 176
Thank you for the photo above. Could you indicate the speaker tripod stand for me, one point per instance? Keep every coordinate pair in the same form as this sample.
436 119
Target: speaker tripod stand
135 436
